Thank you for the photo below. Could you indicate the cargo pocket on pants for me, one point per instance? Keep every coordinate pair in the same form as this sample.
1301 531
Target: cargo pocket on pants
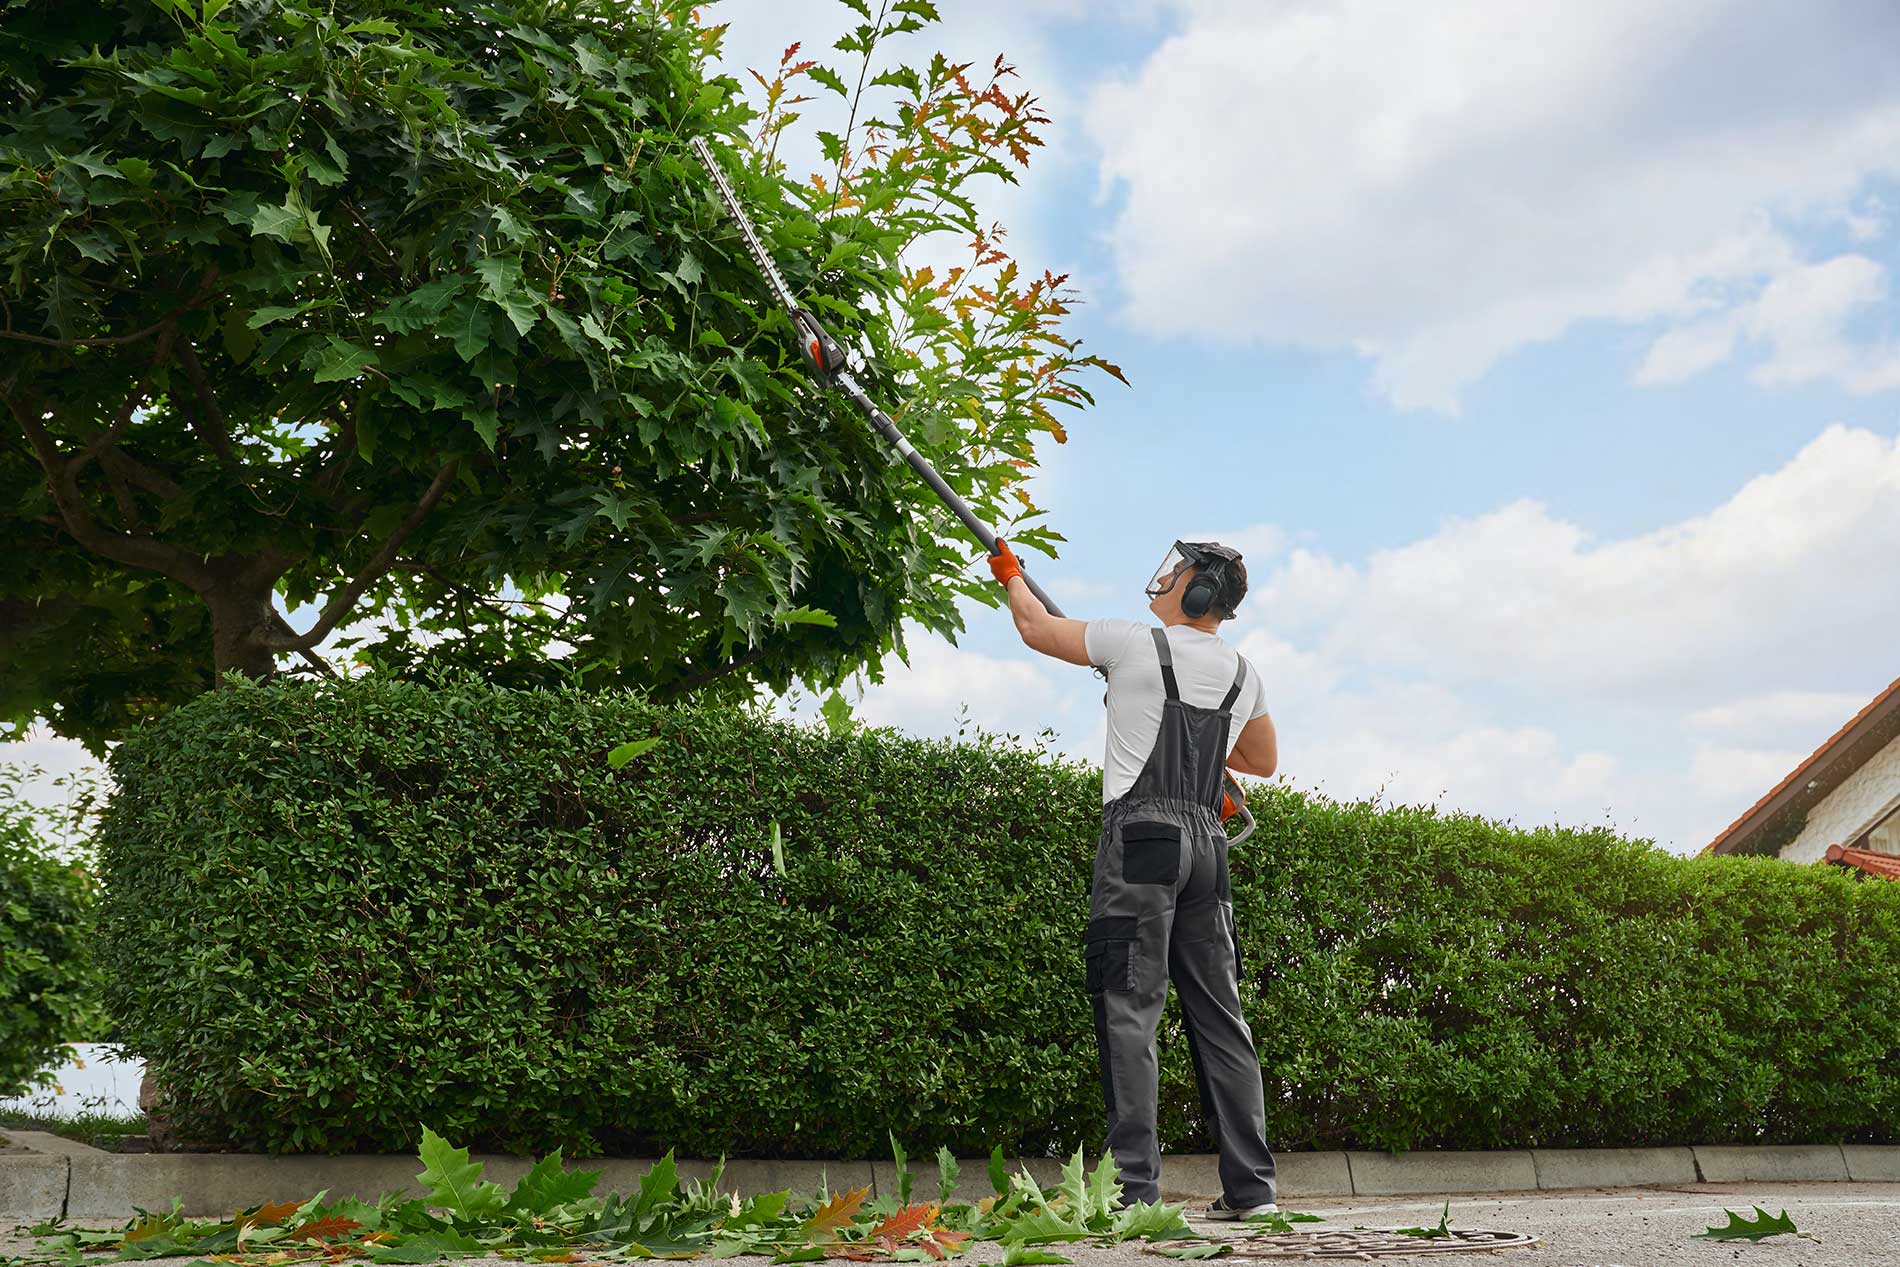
1151 853
1109 954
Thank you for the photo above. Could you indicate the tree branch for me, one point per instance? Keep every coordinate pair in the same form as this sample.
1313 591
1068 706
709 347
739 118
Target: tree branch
124 466
205 290
110 436
500 606
210 425
694 681
332 473
62 480
310 657
128 508
344 600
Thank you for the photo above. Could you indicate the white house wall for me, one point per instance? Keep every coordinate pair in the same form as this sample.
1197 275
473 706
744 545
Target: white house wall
1847 809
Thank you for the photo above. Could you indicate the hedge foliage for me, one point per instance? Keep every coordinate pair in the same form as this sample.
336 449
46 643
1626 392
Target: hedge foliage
47 982
336 912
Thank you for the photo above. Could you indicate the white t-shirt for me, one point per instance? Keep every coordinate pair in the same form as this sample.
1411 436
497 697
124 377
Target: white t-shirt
1203 669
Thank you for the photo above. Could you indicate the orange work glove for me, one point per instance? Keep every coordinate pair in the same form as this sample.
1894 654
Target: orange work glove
1231 797
1003 563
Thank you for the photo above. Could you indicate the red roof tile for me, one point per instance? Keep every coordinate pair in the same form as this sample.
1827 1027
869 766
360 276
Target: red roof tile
1884 865
1814 759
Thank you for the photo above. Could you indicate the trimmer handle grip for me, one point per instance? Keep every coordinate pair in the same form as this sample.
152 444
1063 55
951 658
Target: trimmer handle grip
1233 803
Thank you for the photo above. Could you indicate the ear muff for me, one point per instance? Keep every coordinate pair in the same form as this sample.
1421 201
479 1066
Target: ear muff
1204 587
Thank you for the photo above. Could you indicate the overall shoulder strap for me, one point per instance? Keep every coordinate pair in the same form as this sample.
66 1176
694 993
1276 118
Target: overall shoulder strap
1167 663
1240 680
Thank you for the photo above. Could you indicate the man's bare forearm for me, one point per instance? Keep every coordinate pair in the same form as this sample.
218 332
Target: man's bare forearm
1026 609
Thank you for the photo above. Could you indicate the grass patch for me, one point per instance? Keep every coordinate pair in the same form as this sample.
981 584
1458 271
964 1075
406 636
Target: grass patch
89 1126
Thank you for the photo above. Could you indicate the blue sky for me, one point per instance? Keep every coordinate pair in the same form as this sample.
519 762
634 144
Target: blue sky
1543 358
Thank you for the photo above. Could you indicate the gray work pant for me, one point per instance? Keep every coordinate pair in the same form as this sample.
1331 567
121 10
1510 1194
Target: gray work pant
1161 907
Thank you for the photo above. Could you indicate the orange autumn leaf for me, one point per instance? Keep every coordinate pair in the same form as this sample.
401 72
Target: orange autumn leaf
146 1229
905 1223
329 1228
837 1213
271 1212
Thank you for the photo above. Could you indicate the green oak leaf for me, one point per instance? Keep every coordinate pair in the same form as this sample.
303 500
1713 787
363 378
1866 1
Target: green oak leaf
626 752
427 1247
1443 1228
905 1179
1150 1220
1024 1256
454 1182
1215 1249
830 79
1740 1228
285 223
837 714
1043 1227
549 1184
1104 1189
948 1172
808 616
342 362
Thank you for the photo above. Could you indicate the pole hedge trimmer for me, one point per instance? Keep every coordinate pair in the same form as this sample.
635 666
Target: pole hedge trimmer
826 358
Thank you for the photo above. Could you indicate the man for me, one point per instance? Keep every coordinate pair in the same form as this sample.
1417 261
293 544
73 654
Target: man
1160 906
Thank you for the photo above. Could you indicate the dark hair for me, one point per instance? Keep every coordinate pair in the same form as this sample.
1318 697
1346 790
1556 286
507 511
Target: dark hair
1233 587
1235 590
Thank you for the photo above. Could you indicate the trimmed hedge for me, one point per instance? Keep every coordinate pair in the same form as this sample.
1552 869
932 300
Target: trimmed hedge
335 912
47 984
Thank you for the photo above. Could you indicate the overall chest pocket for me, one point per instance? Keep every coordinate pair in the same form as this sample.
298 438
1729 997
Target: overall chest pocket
1151 853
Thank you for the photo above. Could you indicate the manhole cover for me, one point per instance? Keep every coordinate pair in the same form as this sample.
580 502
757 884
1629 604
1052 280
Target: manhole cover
1368 1243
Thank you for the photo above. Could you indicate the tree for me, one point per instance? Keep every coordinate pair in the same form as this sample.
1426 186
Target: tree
423 315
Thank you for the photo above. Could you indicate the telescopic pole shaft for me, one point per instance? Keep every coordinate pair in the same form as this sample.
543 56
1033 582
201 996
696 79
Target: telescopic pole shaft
887 427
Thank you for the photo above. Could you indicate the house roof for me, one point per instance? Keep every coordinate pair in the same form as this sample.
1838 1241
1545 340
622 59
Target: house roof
1846 751
1884 865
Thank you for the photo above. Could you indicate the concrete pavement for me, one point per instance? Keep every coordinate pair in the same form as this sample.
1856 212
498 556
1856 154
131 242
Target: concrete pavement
1858 1225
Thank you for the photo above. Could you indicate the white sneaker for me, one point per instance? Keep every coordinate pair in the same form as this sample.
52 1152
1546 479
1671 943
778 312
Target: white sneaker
1230 1214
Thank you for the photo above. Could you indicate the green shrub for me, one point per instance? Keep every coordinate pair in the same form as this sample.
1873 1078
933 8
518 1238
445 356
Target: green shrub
335 912
47 994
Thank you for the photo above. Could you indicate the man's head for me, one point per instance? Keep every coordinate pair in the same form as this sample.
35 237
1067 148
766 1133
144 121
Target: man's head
1199 583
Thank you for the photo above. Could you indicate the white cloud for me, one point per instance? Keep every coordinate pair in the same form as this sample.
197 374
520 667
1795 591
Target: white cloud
1438 185
1739 776
926 696
1780 714
1514 665
946 688
1716 601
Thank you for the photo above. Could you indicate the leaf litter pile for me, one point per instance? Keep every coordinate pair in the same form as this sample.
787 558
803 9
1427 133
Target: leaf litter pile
553 1216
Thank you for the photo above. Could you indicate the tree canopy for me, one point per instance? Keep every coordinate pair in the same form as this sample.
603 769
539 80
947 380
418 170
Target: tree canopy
423 316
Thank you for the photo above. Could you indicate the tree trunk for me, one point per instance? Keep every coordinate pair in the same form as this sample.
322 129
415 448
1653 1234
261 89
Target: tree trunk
242 618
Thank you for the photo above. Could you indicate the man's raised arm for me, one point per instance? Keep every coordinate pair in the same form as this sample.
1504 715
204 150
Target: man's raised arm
1052 635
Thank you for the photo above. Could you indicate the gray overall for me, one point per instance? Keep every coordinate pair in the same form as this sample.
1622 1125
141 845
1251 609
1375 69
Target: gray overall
1161 907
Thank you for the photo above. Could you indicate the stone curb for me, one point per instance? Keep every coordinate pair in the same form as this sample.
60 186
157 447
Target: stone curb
32 1187
1613 1167
1733 1163
1412 1174
1872 1163
52 1145
92 1187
